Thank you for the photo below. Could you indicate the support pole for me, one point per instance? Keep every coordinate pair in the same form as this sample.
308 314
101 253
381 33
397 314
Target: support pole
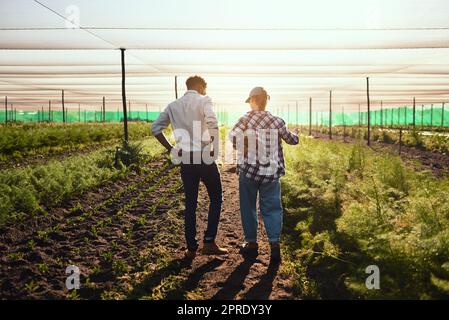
369 111
360 117
79 112
381 114
297 114
344 124
176 87
310 116
63 108
6 109
49 111
431 115
330 115
422 116
442 115
125 118
414 112
104 109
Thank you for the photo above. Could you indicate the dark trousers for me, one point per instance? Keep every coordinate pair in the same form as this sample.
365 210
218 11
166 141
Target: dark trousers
191 175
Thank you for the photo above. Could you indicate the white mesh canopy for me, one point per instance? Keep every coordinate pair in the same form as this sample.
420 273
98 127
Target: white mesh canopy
295 49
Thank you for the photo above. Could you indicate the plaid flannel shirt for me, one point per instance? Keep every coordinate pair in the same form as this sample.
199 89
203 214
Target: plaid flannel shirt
266 133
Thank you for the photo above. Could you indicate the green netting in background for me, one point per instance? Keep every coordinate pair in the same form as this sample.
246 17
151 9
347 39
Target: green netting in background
426 115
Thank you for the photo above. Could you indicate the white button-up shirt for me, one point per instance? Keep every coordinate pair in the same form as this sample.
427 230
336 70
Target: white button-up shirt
191 117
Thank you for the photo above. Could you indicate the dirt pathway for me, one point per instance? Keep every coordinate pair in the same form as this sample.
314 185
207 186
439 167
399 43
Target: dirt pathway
231 276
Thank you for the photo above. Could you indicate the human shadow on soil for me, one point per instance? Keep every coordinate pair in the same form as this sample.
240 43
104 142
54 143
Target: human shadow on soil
262 289
173 269
234 283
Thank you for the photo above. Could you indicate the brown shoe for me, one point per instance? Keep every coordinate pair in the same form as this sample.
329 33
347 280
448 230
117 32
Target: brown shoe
190 254
211 248
275 252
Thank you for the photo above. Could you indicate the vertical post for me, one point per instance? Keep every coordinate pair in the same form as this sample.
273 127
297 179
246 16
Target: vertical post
125 119
400 140
310 116
330 115
79 112
422 116
442 115
390 114
176 87
369 111
405 116
297 114
431 115
414 112
381 114
104 109
360 116
42 113
344 123
49 111
6 109
146 110
63 108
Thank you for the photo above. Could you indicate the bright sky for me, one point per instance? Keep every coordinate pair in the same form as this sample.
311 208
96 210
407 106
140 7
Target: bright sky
295 49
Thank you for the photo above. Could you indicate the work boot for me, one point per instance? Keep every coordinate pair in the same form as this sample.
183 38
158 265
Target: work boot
249 249
275 252
190 254
211 248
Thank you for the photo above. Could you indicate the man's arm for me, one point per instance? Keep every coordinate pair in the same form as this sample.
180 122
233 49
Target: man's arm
163 140
237 131
160 124
212 124
288 136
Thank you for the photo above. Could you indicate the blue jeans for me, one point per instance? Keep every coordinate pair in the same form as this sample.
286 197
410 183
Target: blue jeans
270 207
191 175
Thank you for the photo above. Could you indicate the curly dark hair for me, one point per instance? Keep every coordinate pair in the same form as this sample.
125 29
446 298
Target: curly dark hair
195 80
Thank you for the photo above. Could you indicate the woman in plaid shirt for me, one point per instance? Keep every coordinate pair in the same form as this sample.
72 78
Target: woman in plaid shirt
258 136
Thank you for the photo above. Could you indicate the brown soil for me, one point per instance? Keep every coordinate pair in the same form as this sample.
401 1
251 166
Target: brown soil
127 240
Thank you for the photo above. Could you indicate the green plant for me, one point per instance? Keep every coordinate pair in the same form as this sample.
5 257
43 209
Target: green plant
119 267
16 256
31 286
42 267
31 244
129 154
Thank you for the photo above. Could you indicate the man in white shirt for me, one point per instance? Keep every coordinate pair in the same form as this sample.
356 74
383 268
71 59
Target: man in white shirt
195 126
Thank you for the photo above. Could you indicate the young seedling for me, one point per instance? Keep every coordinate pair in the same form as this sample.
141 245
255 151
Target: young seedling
42 267
31 244
73 295
31 286
16 256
